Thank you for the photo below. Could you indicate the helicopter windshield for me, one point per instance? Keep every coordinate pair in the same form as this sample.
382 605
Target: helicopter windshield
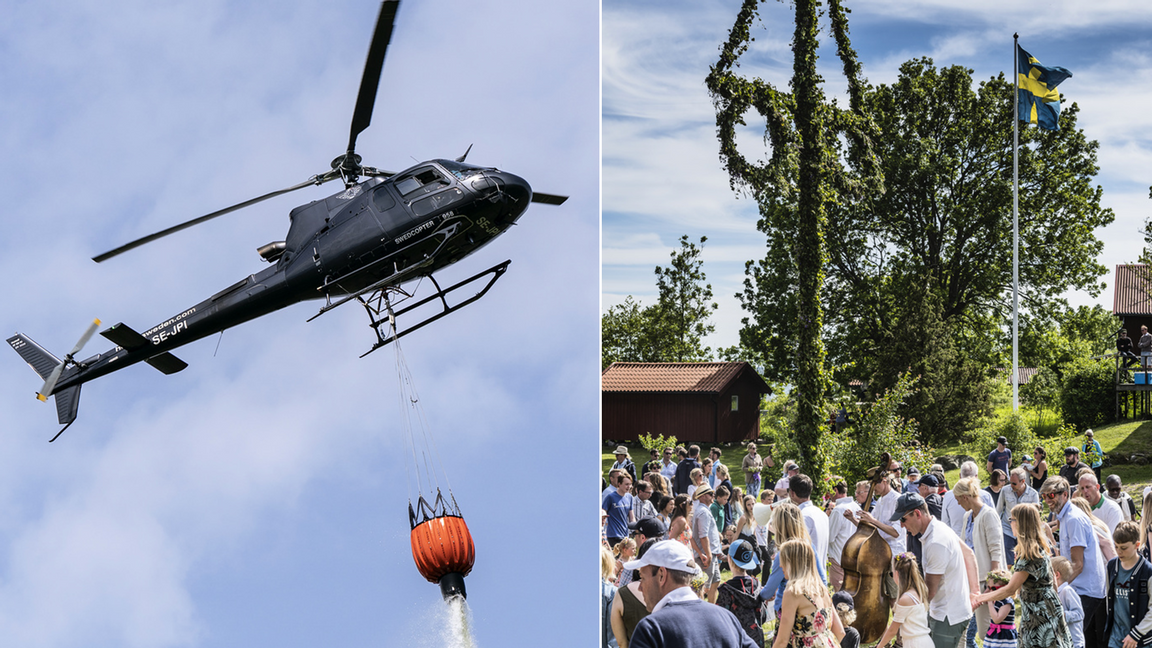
460 169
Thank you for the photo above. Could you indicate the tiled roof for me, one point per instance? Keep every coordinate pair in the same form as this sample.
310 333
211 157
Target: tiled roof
671 376
1025 373
1133 290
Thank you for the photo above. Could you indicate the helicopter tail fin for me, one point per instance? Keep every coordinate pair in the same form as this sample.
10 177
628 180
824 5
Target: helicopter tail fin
44 364
37 357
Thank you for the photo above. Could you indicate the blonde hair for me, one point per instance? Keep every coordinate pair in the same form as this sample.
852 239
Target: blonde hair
722 472
696 472
626 543
908 576
607 564
799 563
969 486
1062 566
788 524
1031 543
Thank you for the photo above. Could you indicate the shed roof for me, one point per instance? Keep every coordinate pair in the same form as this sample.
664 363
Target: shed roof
704 377
1132 294
1026 374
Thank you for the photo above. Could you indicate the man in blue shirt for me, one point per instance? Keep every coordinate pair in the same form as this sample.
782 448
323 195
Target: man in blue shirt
1079 545
679 619
618 504
1001 457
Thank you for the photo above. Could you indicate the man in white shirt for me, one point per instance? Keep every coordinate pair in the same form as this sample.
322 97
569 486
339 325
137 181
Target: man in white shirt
706 540
949 571
1103 508
668 469
892 532
839 530
800 490
642 501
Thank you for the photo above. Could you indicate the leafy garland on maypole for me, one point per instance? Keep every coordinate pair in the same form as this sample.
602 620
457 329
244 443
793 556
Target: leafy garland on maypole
804 174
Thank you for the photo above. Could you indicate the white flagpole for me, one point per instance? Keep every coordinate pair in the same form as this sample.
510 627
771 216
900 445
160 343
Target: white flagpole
1015 223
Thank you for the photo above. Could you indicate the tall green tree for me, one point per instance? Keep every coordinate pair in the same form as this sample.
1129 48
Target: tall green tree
810 169
685 305
943 222
672 329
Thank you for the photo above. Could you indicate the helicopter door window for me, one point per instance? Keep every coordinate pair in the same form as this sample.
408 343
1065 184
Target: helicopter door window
426 206
424 181
382 199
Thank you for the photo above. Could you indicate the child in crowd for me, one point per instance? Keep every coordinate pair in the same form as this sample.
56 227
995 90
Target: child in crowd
1129 580
624 550
846 608
910 615
722 495
1069 600
1002 630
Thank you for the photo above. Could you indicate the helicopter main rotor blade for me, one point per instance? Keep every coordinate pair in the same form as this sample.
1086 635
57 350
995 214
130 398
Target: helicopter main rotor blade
548 199
370 82
314 180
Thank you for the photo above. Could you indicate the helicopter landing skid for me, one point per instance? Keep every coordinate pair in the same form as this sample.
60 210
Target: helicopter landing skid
382 316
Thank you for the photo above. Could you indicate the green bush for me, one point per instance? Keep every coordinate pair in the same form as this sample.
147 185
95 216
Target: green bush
657 443
878 429
1088 395
1012 426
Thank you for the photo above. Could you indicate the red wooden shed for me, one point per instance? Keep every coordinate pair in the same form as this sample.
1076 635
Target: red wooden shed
710 402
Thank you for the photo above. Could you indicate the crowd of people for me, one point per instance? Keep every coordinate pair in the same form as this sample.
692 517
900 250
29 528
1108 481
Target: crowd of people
1029 559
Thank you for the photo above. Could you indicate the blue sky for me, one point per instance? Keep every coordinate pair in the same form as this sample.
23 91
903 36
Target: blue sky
662 174
259 497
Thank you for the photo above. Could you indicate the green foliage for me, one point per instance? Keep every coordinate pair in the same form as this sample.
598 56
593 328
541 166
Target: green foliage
685 305
1013 426
1055 338
1088 397
954 389
626 334
811 167
777 423
879 428
657 443
672 329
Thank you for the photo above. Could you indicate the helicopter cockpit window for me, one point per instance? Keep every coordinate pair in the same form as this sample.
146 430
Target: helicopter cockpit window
460 169
424 181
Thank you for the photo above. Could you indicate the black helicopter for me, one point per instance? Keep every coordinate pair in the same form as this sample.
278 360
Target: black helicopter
360 244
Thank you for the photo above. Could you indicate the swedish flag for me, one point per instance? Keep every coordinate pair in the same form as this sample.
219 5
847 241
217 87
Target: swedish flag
1036 86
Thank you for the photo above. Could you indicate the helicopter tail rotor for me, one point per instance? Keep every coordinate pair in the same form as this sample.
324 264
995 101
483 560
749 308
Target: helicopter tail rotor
50 367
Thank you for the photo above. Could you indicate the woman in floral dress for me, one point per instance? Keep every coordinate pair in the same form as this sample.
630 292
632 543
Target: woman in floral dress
1041 617
807 618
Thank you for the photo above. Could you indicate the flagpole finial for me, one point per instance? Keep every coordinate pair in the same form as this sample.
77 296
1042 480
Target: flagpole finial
1016 36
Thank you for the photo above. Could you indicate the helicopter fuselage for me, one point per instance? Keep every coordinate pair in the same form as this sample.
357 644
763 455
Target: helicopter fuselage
375 234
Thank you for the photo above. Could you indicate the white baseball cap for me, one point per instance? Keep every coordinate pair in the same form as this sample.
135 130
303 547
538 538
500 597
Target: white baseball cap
670 554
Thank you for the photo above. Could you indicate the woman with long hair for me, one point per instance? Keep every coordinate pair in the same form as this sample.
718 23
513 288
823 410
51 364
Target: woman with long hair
1039 469
1103 535
807 618
787 524
1041 618
697 478
607 595
664 506
746 530
910 614
680 529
